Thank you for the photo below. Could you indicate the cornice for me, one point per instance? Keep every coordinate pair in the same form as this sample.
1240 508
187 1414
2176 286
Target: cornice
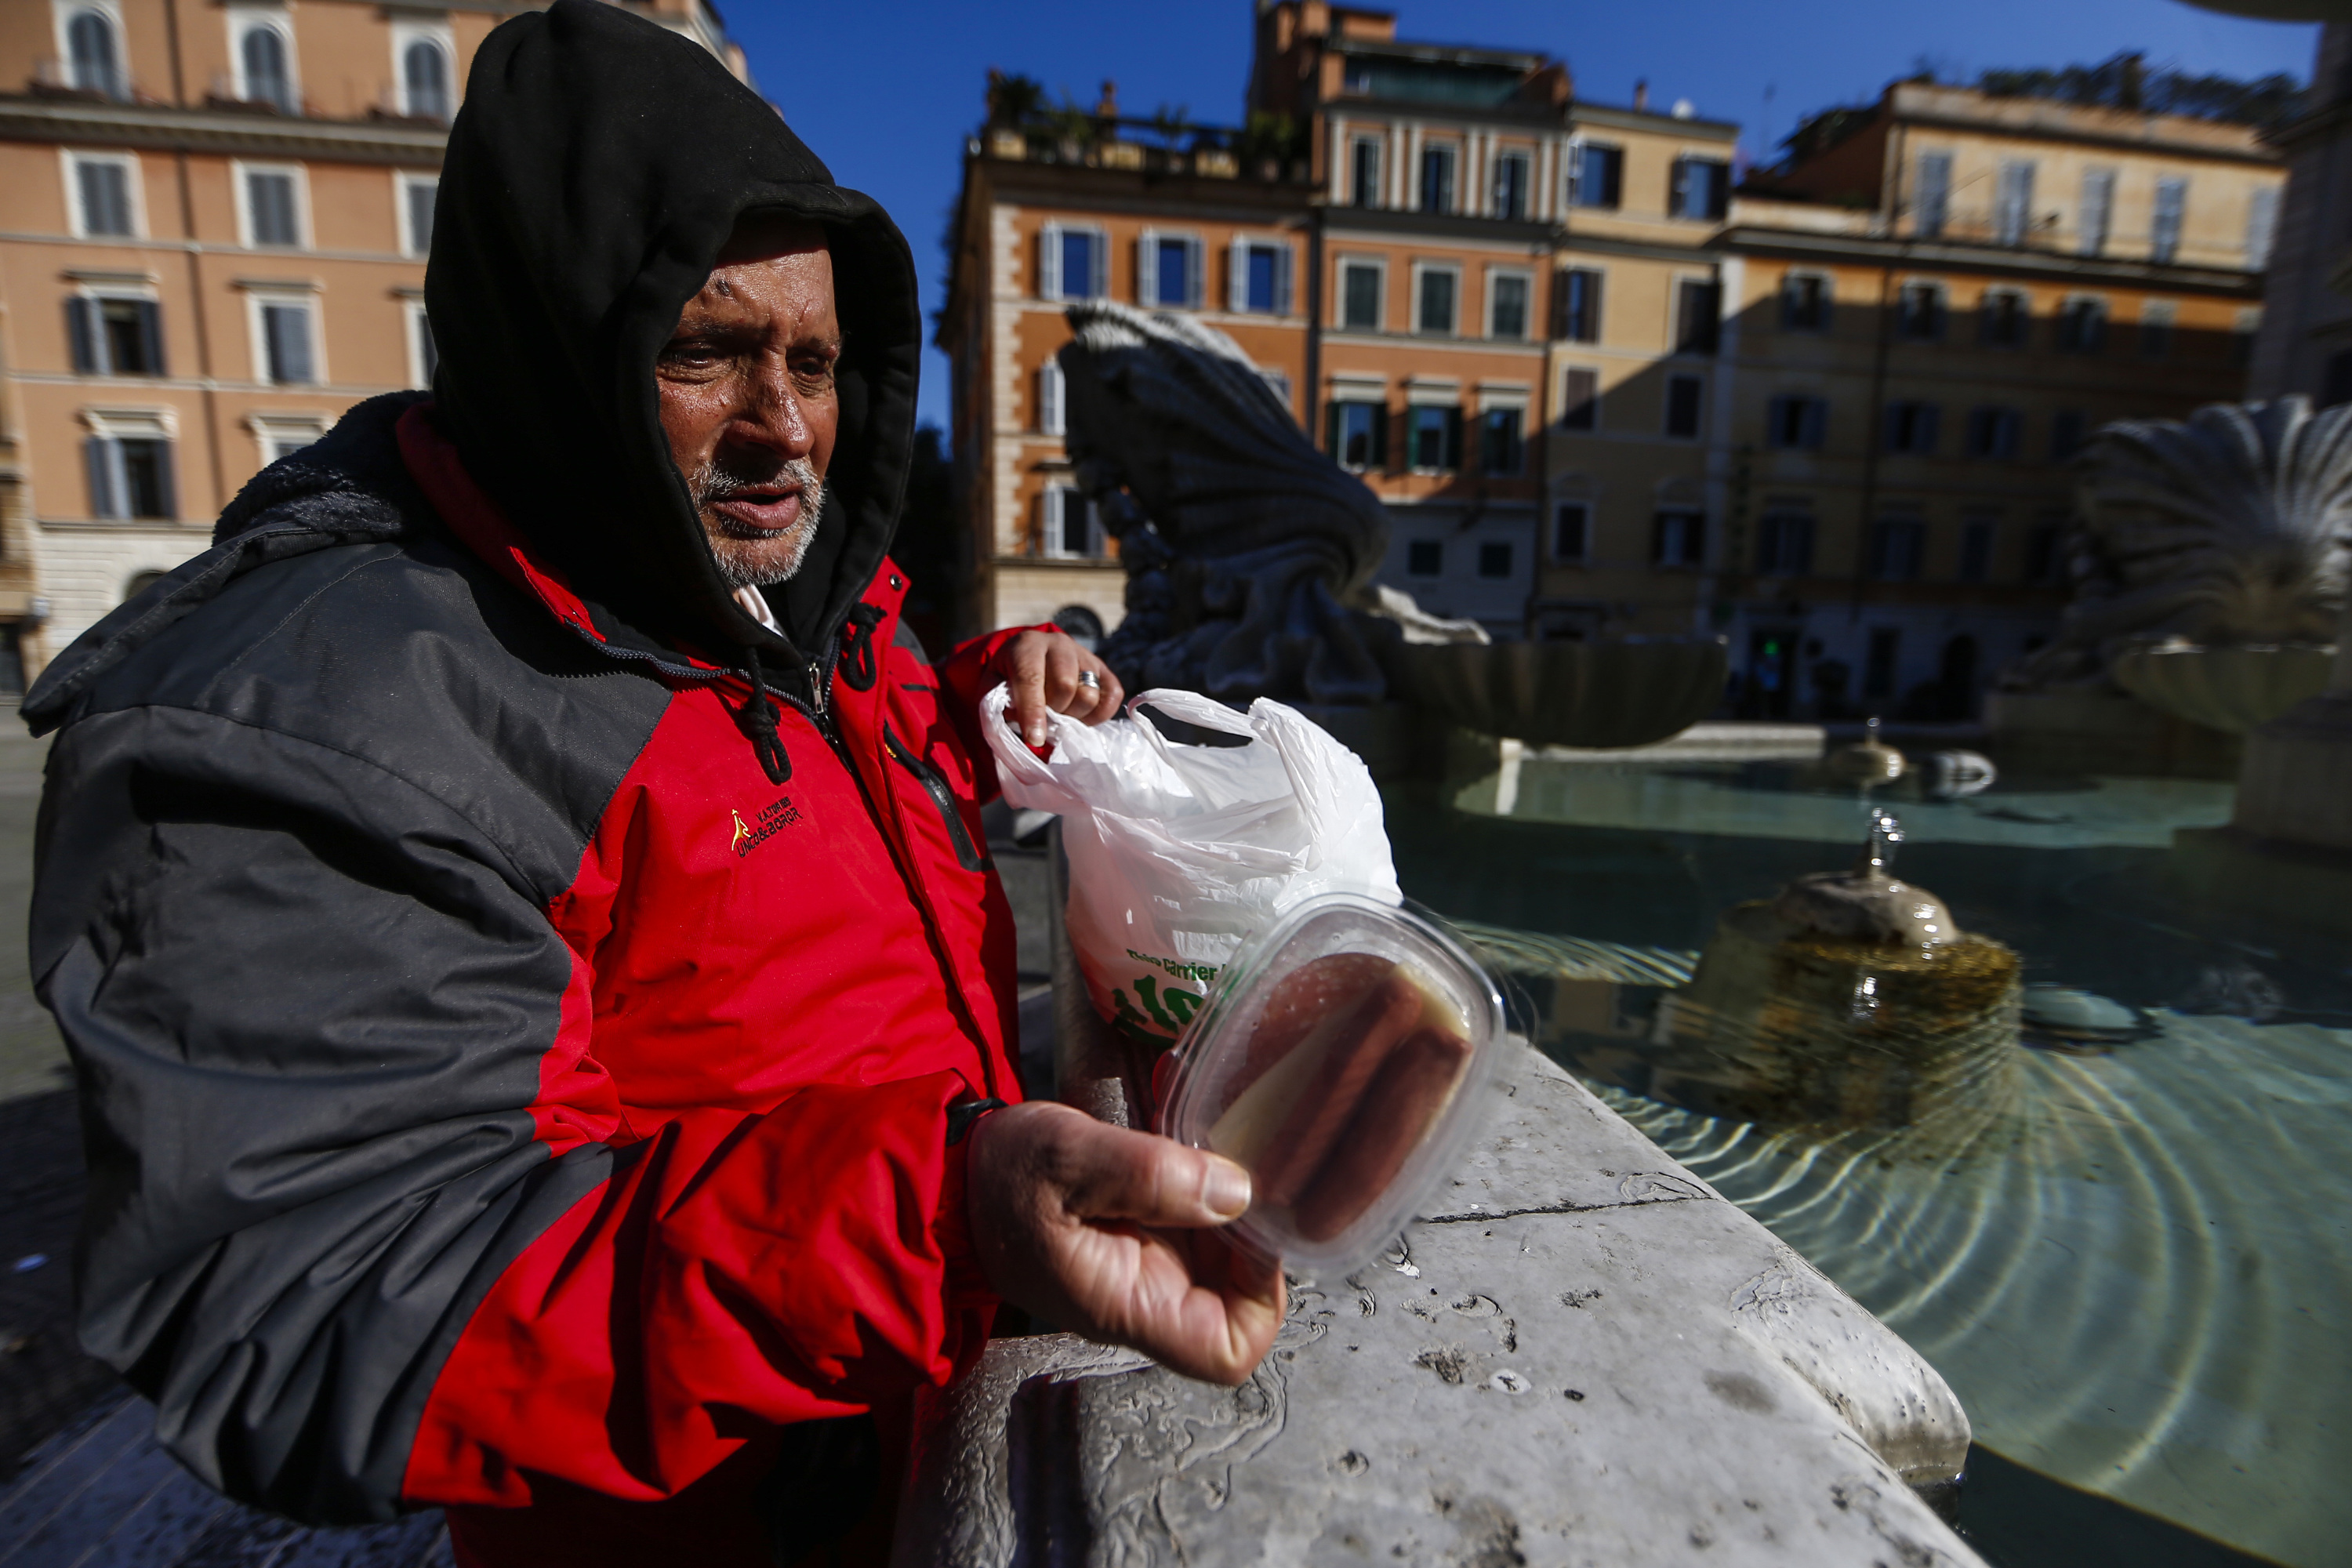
1748 239
164 129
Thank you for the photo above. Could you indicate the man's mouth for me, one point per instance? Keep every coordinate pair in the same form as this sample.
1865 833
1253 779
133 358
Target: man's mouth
756 511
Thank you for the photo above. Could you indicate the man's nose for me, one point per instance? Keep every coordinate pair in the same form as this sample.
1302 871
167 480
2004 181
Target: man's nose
770 413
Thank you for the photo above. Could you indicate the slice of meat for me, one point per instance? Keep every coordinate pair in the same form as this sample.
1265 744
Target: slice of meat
1394 1115
1303 999
1349 1043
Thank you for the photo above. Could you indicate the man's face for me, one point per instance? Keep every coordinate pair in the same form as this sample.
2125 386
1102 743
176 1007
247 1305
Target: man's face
748 398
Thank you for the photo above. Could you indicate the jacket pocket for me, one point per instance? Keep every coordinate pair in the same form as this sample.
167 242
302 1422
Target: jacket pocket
966 854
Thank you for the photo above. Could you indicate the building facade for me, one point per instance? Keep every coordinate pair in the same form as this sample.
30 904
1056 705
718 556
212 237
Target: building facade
1826 412
1924 319
213 229
2306 339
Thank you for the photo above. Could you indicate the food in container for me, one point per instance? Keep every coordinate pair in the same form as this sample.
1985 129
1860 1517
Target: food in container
1339 1062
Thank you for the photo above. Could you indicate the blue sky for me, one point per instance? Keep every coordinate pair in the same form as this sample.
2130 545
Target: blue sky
886 93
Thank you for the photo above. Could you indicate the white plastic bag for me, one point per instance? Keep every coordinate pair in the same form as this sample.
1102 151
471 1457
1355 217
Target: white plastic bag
1177 853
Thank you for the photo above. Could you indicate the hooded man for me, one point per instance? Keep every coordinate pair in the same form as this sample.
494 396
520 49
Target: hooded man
517 907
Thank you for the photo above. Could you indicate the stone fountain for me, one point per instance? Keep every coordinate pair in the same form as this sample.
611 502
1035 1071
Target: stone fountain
1251 555
2208 567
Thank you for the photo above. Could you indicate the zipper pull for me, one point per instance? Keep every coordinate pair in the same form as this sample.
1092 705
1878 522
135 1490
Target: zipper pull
818 696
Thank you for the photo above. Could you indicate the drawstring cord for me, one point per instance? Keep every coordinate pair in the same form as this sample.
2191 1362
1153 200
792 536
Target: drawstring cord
857 664
758 718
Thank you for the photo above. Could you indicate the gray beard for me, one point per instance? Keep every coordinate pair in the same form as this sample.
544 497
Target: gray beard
760 560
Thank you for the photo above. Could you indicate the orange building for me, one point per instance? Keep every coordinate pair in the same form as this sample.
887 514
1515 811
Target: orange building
216 219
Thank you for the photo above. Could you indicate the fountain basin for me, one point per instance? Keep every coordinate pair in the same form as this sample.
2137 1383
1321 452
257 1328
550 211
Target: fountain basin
2230 689
1586 694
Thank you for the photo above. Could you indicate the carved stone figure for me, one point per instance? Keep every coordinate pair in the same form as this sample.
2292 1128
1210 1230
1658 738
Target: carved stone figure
2227 530
1249 553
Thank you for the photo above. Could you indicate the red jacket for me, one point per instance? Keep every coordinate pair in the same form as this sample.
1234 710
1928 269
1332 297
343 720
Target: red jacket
729 1200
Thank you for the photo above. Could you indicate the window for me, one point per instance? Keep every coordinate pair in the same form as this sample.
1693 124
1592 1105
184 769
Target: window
1261 278
265 69
1072 530
1437 179
1511 185
281 438
103 199
2098 210
93 62
1993 432
1358 434
2155 318
1596 174
1425 558
417 192
1279 384
2069 427
272 200
424 79
2012 212
1359 295
1364 171
2083 326
1805 303
1579 399
424 354
1895 545
1919 311
1071 263
1684 394
1977 535
1433 309
1796 422
1578 304
1051 420
1699 311
115 335
2043 552
2164 227
1911 427
2004 320
1701 188
1168 268
1500 446
1678 537
2243 329
129 464
1506 305
1571 530
1784 543
2262 226
1878 667
1433 436
287 355
1932 208
1495 557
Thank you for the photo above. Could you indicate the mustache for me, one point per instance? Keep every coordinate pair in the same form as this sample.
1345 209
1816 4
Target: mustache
723 478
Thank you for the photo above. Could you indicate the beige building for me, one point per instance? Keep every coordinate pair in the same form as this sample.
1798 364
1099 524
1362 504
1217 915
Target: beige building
1927 314
213 229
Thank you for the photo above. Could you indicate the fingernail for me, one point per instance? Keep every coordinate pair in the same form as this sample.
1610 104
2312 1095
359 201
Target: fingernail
1036 735
1225 1189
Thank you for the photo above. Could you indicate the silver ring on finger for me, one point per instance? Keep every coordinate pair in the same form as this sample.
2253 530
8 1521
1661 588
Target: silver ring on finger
1090 680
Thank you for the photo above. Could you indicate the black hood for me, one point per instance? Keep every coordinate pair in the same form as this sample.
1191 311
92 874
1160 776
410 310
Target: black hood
597 167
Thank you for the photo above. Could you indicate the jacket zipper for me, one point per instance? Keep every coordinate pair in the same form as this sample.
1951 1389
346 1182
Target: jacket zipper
967 856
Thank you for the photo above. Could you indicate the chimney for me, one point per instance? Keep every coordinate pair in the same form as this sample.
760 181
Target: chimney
1642 95
1108 107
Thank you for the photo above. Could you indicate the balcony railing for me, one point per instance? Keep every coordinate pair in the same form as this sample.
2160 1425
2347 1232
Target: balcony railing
69 79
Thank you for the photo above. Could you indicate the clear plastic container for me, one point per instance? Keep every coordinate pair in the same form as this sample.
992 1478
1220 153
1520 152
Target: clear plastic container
1341 1062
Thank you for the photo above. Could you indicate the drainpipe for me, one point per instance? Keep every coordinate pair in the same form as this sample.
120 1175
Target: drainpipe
192 250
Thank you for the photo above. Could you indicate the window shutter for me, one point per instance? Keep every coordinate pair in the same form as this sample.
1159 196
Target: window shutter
97 453
2261 225
1679 202
1380 435
1049 261
1924 432
166 492
1237 276
1283 261
1196 269
1452 438
1050 419
81 327
1331 431
150 335
1147 270
1817 418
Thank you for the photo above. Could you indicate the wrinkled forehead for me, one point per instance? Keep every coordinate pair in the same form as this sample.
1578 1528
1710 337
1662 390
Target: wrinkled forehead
764 236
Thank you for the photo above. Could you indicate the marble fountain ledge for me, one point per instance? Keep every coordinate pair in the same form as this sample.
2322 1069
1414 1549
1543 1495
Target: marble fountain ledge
1582 1355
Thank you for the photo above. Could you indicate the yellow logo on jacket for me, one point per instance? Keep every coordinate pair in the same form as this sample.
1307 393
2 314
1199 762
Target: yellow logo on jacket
772 819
